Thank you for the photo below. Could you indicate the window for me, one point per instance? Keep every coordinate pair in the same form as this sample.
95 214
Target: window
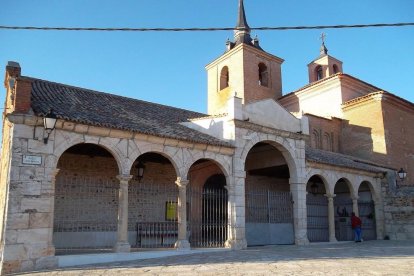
335 69
319 73
224 78
263 75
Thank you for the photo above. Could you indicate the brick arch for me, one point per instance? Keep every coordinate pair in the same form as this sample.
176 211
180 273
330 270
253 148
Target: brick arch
80 139
282 145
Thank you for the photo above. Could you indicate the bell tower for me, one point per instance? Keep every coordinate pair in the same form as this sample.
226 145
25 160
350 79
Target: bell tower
244 70
325 65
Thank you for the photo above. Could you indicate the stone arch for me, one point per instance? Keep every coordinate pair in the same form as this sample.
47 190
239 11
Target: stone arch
322 177
159 149
348 183
83 184
79 139
282 145
220 169
374 191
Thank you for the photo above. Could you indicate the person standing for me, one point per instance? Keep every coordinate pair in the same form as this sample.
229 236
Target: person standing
356 225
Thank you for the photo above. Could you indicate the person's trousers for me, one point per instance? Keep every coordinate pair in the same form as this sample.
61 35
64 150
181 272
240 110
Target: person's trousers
357 231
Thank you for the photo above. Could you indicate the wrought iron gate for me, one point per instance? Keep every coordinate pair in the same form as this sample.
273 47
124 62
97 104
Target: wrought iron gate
269 217
318 223
207 215
367 214
343 209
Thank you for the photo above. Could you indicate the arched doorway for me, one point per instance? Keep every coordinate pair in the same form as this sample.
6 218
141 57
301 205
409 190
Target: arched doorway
152 202
317 210
269 208
343 209
86 200
366 208
207 205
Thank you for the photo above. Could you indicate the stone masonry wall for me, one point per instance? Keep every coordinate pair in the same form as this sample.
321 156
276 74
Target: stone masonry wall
29 222
398 209
4 169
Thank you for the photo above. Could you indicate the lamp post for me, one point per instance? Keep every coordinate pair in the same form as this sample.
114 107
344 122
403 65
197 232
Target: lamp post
314 189
49 123
402 174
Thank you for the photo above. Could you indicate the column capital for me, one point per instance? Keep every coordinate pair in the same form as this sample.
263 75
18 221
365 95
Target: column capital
181 182
330 196
124 177
354 197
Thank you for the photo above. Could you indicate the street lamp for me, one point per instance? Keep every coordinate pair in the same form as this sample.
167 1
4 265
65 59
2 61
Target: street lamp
314 188
140 168
49 123
402 174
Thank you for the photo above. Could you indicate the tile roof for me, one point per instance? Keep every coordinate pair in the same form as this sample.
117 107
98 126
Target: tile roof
341 160
107 110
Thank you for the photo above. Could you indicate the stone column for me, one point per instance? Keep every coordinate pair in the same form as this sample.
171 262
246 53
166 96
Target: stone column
122 244
331 217
52 216
182 242
355 208
236 231
300 220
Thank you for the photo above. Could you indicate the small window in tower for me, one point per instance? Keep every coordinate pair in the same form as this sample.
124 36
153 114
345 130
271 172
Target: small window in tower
319 73
224 78
335 69
263 75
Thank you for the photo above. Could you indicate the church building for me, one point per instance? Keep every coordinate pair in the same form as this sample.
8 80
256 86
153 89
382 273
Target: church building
86 172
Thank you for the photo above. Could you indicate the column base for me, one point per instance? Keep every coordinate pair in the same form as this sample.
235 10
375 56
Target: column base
332 239
302 241
182 245
122 247
236 244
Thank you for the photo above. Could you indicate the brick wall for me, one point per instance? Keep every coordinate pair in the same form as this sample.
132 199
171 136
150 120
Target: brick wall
324 133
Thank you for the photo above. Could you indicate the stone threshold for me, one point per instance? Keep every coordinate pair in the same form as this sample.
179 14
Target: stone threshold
104 258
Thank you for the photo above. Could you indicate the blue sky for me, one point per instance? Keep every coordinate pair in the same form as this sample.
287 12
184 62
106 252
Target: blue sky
168 68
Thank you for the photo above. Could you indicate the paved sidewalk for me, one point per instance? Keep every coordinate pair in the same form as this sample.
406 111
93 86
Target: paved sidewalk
347 258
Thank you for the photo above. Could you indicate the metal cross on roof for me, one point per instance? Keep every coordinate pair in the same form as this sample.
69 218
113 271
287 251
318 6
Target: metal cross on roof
323 36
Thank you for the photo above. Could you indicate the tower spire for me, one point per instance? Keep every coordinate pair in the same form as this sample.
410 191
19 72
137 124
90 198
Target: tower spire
242 31
242 22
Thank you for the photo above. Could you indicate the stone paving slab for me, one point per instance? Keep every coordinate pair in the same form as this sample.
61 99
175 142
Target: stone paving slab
366 258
